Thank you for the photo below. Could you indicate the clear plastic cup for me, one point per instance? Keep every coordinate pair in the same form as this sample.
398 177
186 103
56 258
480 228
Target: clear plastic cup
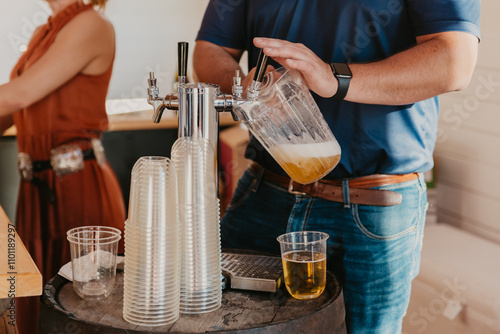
304 263
152 245
194 161
286 120
93 260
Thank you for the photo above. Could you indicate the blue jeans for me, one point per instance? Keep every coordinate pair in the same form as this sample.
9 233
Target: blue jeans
373 250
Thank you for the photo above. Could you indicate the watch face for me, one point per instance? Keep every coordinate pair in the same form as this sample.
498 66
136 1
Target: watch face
342 69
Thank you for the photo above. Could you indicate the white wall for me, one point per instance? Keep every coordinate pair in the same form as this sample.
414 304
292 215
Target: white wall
468 148
17 22
147 33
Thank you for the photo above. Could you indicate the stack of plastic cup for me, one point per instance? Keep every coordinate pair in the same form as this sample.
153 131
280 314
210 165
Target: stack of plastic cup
194 161
152 245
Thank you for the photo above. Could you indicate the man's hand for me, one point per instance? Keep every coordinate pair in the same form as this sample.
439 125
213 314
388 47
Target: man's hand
316 73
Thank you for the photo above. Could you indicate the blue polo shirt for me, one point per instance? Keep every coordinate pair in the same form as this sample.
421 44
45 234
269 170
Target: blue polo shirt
374 139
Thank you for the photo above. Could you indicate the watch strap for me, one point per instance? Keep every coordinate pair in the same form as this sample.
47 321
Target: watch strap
343 86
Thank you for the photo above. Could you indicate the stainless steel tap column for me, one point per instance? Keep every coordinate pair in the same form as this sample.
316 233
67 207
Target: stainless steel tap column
197 114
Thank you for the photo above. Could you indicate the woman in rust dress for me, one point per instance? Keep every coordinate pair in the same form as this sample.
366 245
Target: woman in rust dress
56 99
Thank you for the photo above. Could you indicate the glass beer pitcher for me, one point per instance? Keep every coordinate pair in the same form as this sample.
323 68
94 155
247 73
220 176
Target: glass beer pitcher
286 120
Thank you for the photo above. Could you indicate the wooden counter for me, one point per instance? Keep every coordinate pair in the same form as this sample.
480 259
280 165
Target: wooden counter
16 267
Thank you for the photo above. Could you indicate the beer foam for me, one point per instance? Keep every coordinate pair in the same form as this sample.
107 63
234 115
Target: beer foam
290 152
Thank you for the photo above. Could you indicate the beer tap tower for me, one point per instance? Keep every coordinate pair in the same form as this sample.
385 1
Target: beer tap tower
197 106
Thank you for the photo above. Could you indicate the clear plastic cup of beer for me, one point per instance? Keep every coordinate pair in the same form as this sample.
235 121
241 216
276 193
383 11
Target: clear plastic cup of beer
304 263
286 120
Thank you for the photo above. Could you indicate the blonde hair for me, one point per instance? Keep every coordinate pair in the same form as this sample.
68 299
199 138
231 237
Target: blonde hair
99 3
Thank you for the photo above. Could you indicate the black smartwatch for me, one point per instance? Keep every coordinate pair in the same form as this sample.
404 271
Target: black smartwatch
342 73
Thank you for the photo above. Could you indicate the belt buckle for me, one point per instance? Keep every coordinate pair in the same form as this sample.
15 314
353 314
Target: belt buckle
66 159
291 191
25 166
98 151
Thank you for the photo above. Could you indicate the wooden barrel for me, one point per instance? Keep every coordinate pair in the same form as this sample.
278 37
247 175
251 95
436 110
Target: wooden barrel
242 312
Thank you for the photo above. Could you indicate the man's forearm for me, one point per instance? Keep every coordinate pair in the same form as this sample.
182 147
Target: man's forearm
216 65
435 66
439 63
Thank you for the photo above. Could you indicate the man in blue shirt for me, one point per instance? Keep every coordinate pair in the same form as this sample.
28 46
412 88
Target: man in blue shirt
383 111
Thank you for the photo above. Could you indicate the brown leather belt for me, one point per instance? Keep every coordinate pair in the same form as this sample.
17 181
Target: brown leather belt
333 190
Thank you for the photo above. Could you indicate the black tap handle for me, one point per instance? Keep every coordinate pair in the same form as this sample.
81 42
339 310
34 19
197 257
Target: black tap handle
183 48
261 67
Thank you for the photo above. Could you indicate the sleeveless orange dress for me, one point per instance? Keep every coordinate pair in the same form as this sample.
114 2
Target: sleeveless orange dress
74 113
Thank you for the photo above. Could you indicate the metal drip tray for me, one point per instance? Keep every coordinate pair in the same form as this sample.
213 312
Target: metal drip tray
252 272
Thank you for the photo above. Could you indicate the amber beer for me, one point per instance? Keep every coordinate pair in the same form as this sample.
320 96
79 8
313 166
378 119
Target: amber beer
307 163
305 273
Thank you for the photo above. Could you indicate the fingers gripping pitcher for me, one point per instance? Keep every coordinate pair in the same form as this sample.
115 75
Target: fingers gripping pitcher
286 120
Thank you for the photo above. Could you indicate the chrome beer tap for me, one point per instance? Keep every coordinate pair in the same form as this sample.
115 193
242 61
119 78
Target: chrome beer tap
159 104
260 70
198 104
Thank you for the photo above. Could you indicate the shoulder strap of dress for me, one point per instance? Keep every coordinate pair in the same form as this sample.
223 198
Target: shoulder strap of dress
66 14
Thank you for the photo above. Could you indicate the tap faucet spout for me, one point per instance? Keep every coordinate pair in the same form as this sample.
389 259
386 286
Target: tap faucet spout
153 99
159 104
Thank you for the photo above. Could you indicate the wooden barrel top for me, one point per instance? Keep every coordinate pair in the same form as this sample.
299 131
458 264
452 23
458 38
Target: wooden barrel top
242 312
